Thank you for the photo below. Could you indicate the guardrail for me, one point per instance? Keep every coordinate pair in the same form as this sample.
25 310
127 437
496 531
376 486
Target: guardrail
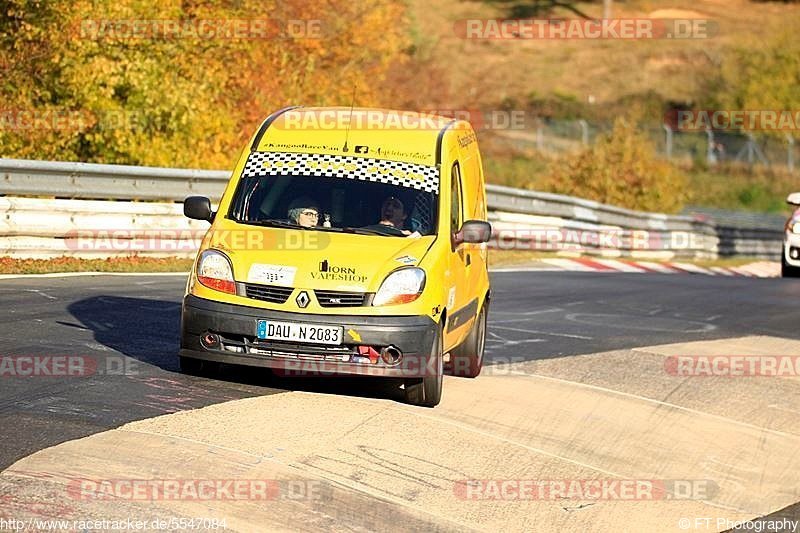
85 197
117 182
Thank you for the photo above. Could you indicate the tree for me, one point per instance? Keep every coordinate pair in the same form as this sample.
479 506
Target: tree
761 74
622 169
180 99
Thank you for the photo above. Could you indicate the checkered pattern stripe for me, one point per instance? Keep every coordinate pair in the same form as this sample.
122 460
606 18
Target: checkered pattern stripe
420 177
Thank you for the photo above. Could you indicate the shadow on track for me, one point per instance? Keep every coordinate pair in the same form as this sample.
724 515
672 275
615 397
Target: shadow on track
148 330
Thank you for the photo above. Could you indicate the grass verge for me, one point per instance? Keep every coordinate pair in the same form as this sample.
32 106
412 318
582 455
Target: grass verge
10 265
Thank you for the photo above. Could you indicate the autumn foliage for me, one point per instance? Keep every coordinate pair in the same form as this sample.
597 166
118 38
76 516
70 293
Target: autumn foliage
621 169
74 88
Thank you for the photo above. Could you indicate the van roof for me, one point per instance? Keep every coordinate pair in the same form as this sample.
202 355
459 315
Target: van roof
361 132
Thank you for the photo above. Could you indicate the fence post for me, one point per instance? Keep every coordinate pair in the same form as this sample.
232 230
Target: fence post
584 132
751 151
668 142
711 156
607 9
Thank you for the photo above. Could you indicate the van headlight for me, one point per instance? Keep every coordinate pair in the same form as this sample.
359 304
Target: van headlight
215 272
401 287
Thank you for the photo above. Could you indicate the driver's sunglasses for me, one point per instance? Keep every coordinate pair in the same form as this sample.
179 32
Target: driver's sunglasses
310 213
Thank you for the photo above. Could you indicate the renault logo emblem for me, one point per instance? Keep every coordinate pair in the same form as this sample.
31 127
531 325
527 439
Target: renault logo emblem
302 299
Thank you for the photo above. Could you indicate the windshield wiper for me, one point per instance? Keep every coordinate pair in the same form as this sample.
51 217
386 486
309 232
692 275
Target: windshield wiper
368 231
272 222
278 223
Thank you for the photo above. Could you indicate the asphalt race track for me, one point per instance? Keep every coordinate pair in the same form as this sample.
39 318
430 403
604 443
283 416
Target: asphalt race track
574 387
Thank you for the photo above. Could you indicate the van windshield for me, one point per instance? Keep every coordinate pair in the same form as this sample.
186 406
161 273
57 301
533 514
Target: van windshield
335 204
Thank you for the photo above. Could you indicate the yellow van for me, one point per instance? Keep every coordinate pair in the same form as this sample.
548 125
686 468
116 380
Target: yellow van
348 241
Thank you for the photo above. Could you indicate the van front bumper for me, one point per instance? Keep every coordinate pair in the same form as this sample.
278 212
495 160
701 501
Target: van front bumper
235 328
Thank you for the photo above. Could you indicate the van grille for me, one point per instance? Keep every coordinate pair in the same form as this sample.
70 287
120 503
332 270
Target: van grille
279 295
340 298
268 293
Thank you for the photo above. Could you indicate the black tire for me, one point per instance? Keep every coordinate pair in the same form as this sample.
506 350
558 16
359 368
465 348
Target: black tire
787 270
427 391
197 367
466 359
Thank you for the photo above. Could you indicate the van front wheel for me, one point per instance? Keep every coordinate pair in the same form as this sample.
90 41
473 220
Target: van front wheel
427 391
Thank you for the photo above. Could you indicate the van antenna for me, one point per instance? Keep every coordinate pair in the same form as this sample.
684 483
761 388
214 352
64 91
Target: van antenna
347 132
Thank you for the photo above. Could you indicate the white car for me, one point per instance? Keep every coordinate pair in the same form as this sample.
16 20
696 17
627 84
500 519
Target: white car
790 259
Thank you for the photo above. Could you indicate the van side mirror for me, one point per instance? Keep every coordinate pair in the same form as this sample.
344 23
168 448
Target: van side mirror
198 208
473 232
793 199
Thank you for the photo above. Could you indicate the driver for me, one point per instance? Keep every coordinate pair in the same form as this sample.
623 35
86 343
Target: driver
393 214
304 212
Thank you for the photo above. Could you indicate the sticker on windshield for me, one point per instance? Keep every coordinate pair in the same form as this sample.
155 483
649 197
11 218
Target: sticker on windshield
420 177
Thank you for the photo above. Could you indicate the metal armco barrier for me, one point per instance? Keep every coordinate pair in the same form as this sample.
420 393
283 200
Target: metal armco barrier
54 208
39 228
111 182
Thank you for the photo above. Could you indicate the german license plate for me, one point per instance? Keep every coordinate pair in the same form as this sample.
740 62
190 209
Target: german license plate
295 332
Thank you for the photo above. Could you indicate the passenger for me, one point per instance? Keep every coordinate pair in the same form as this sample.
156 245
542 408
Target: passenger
304 212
